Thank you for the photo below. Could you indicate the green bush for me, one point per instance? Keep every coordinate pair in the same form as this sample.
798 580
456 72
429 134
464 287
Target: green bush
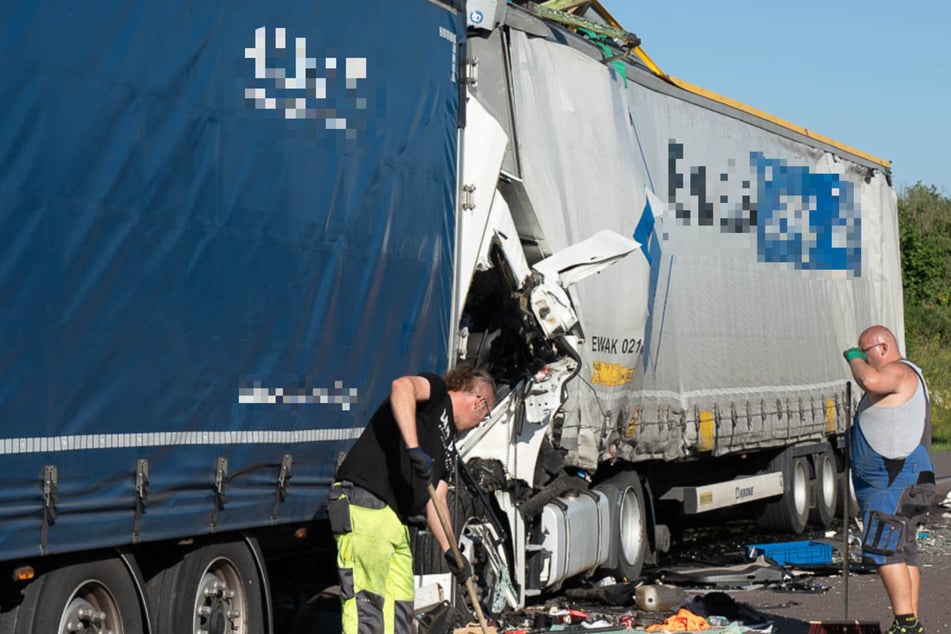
924 217
935 362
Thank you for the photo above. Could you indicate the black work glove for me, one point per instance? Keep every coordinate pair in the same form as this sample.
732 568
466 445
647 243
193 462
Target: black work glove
461 573
422 463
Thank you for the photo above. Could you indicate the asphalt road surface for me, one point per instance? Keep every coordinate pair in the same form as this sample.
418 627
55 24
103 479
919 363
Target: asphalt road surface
867 600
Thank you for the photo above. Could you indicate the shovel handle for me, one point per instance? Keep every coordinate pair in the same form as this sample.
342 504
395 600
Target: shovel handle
455 553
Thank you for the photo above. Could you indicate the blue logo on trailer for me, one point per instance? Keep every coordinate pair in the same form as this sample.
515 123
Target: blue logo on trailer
805 219
646 233
476 17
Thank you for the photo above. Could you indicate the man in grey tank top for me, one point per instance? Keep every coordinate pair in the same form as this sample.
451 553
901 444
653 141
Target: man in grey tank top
892 471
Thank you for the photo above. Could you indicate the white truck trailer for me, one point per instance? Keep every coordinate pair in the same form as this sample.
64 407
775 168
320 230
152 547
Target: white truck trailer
703 370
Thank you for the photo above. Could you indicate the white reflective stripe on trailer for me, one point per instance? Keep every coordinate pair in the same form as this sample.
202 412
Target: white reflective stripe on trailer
85 442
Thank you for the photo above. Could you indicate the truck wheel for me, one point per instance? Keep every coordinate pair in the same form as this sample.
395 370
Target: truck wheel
97 596
215 589
853 510
8 621
629 519
790 512
826 489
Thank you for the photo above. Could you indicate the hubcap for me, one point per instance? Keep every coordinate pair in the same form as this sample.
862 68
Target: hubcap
828 481
800 486
629 524
221 600
91 608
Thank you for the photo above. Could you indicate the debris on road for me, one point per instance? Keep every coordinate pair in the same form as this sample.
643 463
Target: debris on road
693 591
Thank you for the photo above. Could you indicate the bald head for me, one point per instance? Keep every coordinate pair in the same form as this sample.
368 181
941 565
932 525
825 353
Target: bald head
880 345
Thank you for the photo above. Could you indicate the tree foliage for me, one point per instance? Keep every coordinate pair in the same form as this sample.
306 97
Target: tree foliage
924 218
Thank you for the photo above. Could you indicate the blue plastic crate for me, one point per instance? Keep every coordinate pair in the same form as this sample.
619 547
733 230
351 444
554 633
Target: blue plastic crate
784 553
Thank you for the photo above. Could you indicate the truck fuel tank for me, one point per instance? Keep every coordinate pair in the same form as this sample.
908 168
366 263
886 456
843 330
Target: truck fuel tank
575 534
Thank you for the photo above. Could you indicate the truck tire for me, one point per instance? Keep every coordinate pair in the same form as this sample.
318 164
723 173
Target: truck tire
8 621
825 489
629 524
790 512
84 597
215 589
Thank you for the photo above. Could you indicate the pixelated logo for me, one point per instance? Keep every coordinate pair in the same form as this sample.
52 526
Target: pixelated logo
804 219
254 392
476 17
296 85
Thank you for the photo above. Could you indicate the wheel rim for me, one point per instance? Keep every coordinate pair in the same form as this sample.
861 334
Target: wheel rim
91 608
221 601
827 484
630 522
800 488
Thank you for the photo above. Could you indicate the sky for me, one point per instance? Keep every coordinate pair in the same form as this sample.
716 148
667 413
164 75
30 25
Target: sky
874 75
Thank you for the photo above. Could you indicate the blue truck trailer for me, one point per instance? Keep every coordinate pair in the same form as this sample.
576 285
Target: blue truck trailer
226 227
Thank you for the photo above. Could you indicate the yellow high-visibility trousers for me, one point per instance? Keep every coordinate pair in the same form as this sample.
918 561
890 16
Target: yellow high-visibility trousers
375 564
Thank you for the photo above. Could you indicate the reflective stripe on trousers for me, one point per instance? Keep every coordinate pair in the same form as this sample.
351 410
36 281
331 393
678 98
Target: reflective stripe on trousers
376 573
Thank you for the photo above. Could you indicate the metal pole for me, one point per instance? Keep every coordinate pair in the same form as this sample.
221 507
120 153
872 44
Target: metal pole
846 496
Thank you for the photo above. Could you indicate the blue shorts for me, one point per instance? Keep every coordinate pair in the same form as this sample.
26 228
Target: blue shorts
892 504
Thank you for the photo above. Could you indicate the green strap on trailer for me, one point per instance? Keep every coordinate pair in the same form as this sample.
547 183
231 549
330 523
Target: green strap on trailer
598 40
594 31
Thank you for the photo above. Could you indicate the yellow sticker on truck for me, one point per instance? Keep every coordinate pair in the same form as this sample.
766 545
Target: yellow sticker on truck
611 374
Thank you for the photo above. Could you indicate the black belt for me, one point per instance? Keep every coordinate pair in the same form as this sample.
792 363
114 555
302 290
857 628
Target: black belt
358 495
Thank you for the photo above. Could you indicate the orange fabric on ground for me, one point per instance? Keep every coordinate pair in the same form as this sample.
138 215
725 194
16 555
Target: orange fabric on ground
683 621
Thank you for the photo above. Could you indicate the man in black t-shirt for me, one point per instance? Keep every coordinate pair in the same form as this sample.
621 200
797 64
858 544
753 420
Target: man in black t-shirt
384 480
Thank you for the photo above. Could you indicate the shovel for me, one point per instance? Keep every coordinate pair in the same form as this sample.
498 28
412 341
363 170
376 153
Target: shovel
455 553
